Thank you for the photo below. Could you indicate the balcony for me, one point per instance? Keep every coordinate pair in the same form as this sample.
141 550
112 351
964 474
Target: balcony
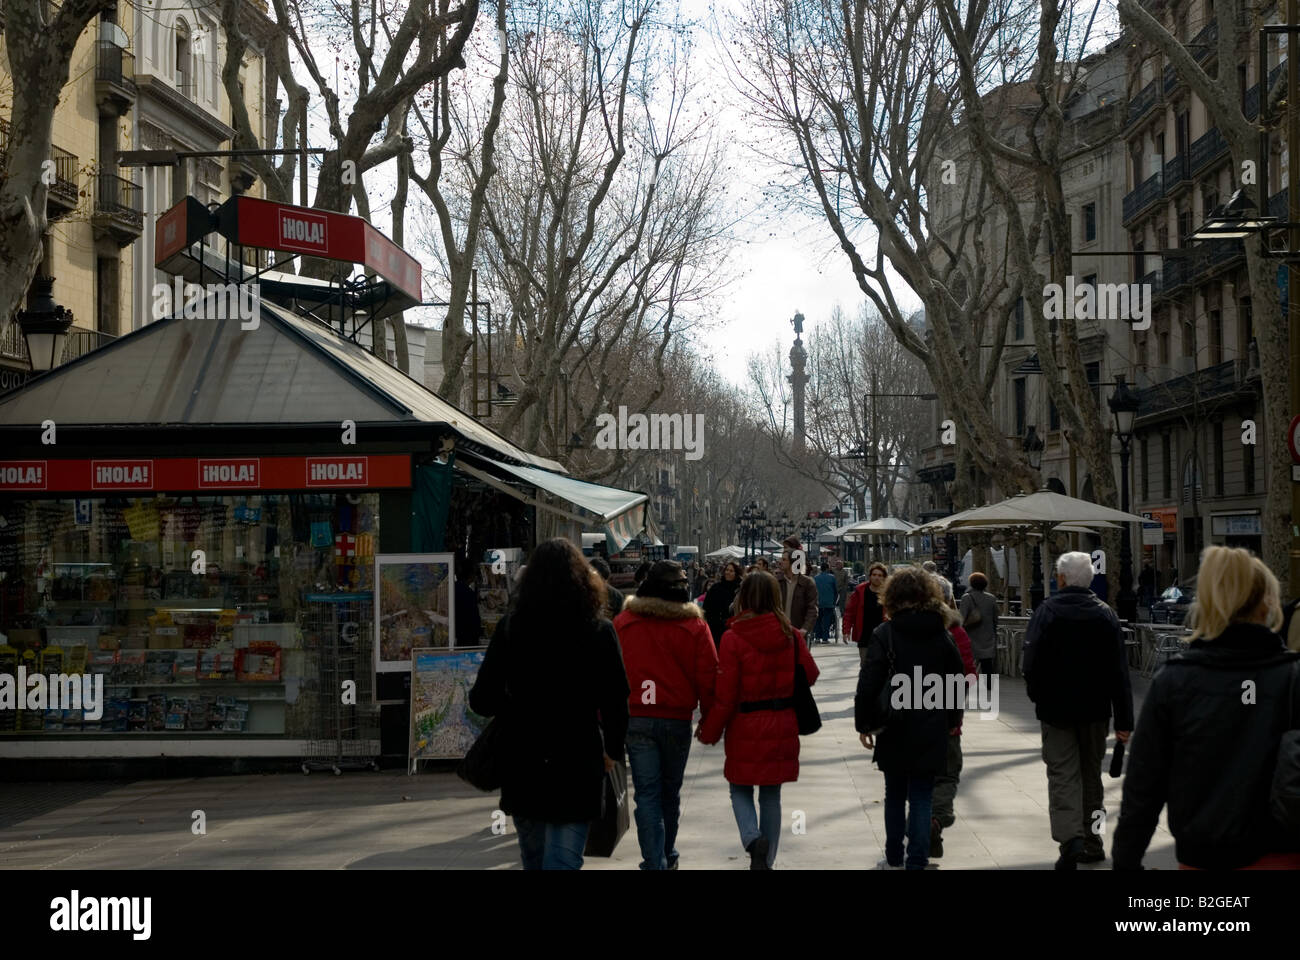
1177 274
115 89
1250 103
64 192
1206 43
1193 390
1155 280
80 341
1144 102
1217 255
1171 80
1177 175
118 211
1147 193
1206 149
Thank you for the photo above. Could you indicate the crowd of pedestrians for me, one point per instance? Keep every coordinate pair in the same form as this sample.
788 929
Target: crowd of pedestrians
596 677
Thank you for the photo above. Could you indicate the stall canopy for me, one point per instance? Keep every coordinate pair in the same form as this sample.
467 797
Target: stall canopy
622 512
285 372
731 552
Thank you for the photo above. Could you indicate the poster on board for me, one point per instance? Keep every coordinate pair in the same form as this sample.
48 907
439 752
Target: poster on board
443 727
497 579
414 607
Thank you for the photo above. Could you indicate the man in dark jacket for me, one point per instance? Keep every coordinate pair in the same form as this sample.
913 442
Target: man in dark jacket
1076 672
798 591
672 664
614 598
827 595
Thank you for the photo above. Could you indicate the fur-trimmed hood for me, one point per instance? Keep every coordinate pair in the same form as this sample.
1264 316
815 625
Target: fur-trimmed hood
662 609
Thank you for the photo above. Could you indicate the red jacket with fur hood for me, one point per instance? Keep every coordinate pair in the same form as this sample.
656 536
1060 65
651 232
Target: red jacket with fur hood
670 657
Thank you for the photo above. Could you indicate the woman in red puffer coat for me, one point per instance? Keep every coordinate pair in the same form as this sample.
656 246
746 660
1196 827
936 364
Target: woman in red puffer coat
753 705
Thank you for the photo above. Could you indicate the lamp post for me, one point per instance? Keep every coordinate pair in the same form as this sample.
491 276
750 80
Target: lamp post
750 524
1124 406
1033 446
45 326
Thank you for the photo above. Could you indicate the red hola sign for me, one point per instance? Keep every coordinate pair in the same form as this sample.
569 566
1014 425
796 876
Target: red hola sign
229 474
23 475
336 471
121 475
335 236
179 474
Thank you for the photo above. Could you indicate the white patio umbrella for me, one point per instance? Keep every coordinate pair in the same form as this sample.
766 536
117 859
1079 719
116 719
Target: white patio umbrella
731 552
883 525
1045 510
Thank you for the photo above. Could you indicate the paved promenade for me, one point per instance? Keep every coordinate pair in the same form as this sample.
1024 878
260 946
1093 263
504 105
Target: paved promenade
433 820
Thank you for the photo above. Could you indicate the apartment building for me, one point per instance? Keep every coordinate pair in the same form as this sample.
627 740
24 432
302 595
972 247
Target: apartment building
1197 366
1093 187
141 77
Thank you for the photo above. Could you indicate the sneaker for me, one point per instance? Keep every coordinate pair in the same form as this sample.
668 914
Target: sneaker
886 865
757 851
936 839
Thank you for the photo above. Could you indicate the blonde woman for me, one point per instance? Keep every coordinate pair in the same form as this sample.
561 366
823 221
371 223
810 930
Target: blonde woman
1206 742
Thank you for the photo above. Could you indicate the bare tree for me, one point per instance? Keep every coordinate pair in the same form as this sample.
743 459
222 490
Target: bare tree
39 42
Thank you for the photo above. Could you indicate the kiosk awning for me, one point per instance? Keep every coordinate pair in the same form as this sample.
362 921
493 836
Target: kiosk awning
623 512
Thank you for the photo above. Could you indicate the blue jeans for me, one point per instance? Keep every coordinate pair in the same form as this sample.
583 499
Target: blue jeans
825 623
551 846
769 812
918 794
657 749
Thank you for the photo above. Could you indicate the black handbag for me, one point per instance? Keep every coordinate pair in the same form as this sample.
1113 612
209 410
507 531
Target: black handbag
883 707
1284 797
484 765
805 707
604 833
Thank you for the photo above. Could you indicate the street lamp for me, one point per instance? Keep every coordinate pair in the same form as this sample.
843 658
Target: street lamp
1033 446
1124 406
44 326
1229 221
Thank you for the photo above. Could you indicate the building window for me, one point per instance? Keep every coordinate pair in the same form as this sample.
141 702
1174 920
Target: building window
1094 380
1163 339
1141 342
183 73
1217 441
1144 447
1189 334
1184 228
1053 415
1138 260
1216 337
1019 315
1167 466
1089 222
1245 327
1019 385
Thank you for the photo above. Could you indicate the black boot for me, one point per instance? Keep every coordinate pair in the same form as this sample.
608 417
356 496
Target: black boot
757 851
1070 855
936 839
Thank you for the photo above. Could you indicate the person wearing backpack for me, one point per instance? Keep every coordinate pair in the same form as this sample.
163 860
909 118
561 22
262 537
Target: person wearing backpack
1206 743
555 672
752 703
912 748
672 664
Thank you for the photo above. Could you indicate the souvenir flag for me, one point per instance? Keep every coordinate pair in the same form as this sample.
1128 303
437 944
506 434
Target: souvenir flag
320 533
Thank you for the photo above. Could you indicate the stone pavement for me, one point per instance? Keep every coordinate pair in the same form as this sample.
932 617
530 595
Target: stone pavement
433 820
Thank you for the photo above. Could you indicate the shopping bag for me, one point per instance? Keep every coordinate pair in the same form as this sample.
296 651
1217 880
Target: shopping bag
604 834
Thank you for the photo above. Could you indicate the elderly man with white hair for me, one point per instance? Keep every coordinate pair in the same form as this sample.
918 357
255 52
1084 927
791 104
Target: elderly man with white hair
1076 673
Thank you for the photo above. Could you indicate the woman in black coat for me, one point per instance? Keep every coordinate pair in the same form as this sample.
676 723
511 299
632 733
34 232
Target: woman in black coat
1206 743
718 601
913 744
555 670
